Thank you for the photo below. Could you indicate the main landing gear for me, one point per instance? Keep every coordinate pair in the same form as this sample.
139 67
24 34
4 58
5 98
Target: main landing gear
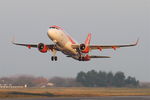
54 58
81 58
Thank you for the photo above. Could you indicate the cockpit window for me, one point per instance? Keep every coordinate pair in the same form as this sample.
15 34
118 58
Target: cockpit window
55 27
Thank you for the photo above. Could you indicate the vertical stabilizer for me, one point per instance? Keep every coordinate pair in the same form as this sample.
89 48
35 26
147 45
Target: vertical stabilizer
88 39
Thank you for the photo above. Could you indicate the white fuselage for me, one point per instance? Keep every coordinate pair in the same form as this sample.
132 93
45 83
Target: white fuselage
63 41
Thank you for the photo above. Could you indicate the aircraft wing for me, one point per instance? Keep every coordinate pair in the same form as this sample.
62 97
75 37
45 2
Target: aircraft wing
100 47
109 46
50 46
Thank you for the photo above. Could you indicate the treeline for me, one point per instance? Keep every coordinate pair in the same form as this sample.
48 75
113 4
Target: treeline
22 80
32 81
103 79
86 79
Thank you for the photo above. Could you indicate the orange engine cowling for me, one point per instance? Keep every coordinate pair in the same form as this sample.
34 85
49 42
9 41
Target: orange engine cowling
84 48
87 58
42 48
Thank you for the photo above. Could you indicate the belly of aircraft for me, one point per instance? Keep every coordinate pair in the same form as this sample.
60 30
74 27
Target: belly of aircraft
68 50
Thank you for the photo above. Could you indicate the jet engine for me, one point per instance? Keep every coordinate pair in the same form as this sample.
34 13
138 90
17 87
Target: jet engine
83 48
85 58
42 48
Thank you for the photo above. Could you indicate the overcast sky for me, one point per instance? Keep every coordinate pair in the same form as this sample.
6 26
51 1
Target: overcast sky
109 21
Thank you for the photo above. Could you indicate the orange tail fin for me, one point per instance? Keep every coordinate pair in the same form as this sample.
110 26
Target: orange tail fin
88 39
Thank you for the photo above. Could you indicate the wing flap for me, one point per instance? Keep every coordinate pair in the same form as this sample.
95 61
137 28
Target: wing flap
100 57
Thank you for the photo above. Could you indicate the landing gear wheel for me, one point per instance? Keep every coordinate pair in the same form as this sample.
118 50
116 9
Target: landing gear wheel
54 58
80 58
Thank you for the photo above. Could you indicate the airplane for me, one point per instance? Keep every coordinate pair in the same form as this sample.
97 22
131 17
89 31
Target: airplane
64 43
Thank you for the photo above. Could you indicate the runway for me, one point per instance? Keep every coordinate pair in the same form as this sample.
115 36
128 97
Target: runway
88 98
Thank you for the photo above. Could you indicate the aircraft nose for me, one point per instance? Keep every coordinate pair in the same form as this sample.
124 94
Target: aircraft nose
49 33
52 33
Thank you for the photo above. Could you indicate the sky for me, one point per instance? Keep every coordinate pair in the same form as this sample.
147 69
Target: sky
109 21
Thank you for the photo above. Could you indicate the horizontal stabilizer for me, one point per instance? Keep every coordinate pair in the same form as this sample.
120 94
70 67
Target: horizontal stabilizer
100 57
68 56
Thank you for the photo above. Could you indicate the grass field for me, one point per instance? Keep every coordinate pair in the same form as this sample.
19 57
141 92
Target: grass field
72 92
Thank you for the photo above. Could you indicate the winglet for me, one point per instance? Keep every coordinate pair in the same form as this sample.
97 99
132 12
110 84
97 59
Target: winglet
13 40
137 41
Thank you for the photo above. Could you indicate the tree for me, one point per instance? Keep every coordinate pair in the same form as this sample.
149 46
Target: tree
131 82
81 77
119 79
109 80
40 80
102 79
64 82
6 80
91 78
24 79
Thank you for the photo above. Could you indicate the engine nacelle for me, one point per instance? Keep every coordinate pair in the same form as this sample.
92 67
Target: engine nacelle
85 58
42 48
84 48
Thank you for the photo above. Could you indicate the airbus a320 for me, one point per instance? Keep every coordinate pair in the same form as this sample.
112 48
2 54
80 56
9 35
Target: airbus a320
64 43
